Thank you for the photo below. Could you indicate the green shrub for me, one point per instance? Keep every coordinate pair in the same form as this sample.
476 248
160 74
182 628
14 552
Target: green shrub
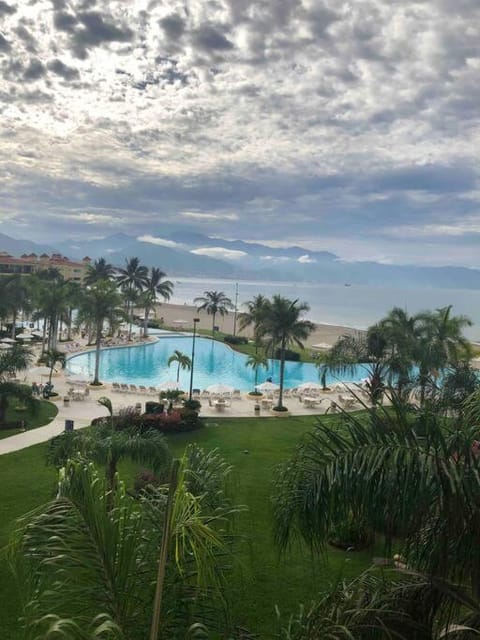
293 356
235 339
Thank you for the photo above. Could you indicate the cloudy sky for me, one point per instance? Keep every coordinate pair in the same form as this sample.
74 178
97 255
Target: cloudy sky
348 126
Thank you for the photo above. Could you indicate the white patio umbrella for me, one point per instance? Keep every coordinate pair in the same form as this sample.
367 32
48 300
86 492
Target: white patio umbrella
267 386
310 385
8 340
168 385
181 322
220 388
24 336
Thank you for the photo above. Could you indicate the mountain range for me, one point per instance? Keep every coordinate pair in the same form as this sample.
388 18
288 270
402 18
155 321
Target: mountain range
191 254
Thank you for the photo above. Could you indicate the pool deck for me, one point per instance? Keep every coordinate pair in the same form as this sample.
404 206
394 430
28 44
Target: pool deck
83 411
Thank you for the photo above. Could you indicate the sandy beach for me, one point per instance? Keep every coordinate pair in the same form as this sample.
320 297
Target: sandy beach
181 316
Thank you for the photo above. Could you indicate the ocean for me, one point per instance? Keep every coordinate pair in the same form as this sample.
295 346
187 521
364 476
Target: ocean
353 306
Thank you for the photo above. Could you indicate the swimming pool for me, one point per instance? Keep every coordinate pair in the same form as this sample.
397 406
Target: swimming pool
214 362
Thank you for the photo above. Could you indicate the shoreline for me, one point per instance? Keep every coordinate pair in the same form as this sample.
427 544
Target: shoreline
181 315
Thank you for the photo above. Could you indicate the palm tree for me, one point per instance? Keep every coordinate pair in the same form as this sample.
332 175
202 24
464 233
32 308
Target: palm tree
253 315
100 270
132 280
156 287
104 579
15 359
50 359
420 489
97 306
214 302
15 297
281 323
182 360
108 444
255 361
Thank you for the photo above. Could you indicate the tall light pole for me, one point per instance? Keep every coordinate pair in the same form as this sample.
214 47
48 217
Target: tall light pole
195 321
235 314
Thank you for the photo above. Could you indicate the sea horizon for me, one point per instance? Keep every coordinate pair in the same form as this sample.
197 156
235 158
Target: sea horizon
355 306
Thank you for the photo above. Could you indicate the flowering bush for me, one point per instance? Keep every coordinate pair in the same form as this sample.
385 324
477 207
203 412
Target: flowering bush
178 420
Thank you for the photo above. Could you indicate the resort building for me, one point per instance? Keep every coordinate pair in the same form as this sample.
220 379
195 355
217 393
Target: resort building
31 263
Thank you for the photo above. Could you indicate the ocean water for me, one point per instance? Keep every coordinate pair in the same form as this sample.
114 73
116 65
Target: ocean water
355 306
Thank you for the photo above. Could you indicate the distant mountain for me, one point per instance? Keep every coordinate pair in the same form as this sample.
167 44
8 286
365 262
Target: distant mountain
16 247
185 253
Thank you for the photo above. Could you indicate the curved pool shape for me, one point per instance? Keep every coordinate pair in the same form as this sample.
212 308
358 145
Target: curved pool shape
214 362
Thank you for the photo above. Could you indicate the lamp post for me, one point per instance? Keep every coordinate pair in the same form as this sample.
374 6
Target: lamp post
195 321
235 314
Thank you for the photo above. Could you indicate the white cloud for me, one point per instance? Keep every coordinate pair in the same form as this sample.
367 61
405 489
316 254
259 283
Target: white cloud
306 259
275 258
160 241
197 215
220 252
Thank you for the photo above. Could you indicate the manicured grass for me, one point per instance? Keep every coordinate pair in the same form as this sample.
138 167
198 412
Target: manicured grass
261 579
45 412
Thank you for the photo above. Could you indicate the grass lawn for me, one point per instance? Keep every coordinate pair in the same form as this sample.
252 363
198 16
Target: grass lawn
261 579
45 412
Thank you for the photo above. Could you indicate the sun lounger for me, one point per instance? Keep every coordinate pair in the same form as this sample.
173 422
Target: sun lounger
142 388
153 390
133 388
115 386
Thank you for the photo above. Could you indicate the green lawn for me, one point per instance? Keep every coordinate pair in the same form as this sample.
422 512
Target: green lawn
261 579
43 415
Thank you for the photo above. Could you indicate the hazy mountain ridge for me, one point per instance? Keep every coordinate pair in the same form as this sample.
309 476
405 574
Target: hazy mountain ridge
253 261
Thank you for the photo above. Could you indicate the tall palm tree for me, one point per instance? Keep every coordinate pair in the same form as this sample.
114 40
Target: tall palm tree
97 305
214 302
155 288
99 270
15 297
182 360
256 361
281 323
132 280
255 309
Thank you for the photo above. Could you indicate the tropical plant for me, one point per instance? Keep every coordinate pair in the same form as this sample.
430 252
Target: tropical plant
15 359
50 358
182 361
99 270
282 326
99 301
214 302
255 309
107 446
256 361
107 564
132 280
421 488
156 287
15 297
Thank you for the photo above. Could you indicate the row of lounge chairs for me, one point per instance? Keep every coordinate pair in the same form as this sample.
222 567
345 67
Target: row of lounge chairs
133 388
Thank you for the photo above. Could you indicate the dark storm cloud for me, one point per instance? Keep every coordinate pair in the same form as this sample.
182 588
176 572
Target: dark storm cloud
6 9
173 26
4 44
34 71
63 70
208 38
98 29
65 21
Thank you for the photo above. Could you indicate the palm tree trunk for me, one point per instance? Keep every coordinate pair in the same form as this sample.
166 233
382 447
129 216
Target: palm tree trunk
282 372
145 321
14 323
70 315
213 324
97 352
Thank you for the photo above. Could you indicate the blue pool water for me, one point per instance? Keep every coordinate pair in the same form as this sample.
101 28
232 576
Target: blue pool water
214 362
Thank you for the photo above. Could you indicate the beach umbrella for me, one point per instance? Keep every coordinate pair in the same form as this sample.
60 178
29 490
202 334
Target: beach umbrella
168 385
8 340
181 322
37 334
313 386
321 346
267 386
220 388
24 336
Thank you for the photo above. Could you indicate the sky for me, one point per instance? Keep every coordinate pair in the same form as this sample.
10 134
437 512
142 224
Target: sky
352 127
